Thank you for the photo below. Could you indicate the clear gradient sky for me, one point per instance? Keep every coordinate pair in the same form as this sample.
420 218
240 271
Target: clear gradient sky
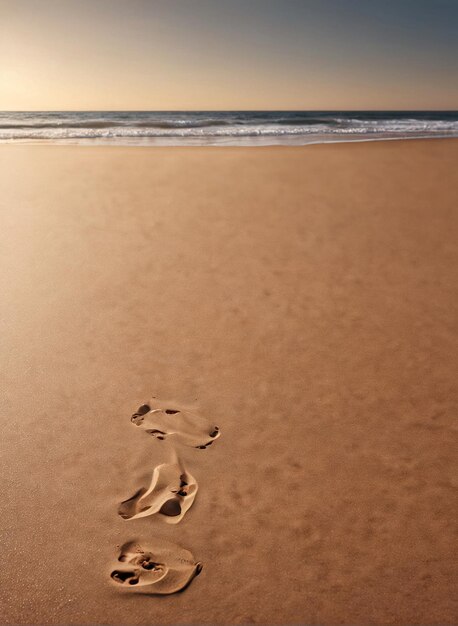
228 54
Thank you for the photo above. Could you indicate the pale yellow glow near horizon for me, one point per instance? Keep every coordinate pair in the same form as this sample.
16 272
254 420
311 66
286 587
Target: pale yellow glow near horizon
68 55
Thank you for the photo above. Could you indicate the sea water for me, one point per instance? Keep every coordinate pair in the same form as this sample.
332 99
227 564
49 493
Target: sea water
232 128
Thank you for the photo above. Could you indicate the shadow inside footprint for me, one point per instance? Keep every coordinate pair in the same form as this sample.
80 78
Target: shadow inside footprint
171 508
171 493
185 426
163 568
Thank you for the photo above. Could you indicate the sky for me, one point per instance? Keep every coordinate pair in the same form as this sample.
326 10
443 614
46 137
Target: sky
228 54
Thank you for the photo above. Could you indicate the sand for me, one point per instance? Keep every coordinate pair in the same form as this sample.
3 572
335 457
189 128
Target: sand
304 300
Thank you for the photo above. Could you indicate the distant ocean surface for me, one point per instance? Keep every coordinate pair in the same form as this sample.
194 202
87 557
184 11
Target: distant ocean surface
230 128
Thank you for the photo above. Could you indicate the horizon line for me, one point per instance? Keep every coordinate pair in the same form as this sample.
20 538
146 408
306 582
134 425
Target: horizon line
404 110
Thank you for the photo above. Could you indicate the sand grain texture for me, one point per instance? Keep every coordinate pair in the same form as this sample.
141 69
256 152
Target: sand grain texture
304 299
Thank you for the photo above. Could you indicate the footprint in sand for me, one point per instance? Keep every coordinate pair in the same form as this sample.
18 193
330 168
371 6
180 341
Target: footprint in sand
163 568
170 494
163 420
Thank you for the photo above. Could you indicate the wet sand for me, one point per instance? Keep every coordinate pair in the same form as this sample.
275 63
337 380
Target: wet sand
304 299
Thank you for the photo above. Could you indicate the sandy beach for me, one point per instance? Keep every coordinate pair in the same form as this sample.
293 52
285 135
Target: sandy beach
301 298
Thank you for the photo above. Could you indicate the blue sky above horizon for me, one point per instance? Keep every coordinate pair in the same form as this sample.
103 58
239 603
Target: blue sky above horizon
228 54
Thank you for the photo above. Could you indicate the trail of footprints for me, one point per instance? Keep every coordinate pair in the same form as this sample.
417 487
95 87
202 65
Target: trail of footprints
163 568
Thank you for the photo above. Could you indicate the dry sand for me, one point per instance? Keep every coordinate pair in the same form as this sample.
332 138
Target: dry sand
305 300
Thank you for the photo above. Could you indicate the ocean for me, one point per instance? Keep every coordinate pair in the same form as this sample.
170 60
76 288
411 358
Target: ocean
231 128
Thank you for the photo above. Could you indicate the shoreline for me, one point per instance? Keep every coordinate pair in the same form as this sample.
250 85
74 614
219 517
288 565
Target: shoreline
169 143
